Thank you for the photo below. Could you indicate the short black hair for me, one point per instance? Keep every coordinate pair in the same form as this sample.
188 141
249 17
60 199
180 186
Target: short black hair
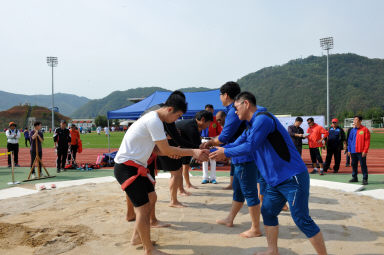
310 119
222 113
358 116
246 96
208 116
231 88
63 121
299 119
178 92
208 106
37 123
177 102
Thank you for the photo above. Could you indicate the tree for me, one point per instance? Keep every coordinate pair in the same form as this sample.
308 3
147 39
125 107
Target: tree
101 120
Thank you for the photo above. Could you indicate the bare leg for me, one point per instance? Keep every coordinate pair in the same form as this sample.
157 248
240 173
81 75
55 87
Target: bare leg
155 223
229 187
188 183
131 216
272 233
317 242
174 183
228 221
254 231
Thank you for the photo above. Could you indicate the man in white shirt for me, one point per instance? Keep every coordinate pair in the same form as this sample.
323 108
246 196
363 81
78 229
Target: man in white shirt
144 137
13 136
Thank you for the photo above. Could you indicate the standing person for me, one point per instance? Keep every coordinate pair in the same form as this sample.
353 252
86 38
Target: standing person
316 136
26 137
335 143
190 130
62 140
213 130
233 126
282 168
106 131
348 157
297 134
13 136
75 140
36 136
98 130
145 136
358 144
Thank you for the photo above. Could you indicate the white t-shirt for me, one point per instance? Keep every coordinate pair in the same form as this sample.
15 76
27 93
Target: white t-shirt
139 140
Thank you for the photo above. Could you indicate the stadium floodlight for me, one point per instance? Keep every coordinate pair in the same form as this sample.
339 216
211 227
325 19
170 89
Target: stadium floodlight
327 44
52 62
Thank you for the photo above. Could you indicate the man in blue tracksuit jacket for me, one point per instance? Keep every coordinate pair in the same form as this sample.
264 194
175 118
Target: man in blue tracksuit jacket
282 168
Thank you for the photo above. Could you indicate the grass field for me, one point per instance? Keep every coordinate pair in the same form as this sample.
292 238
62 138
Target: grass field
93 140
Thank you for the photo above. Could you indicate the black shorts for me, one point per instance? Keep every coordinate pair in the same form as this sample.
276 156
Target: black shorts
315 155
186 160
168 164
139 189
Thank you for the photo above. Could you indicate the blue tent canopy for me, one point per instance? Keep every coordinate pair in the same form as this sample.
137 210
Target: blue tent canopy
196 102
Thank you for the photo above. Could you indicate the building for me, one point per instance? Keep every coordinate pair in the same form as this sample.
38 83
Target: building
84 123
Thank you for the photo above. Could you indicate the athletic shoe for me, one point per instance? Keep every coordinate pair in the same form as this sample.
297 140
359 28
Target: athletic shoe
17 165
204 181
33 176
365 182
214 181
58 170
353 180
9 166
347 165
335 171
321 172
314 172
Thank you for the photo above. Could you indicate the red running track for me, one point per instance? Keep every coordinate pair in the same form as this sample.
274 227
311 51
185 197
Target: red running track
375 160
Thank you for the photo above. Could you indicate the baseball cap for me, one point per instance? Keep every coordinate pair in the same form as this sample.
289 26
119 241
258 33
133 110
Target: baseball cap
12 123
335 120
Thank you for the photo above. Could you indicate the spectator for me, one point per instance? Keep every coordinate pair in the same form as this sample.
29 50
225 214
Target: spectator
358 144
13 136
348 157
190 130
62 140
297 134
220 118
213 130
36 137
98 130
75 138
106 131
335 143
26 137
316 136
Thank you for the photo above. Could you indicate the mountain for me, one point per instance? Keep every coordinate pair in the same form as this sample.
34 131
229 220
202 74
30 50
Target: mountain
67 103
119 99
299 86
19 115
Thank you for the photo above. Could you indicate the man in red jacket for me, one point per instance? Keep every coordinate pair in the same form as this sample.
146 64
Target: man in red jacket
358 144
316 136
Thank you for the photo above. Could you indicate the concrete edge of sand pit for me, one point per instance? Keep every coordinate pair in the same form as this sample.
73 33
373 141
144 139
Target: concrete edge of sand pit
376 193
65 184
346 187
15 192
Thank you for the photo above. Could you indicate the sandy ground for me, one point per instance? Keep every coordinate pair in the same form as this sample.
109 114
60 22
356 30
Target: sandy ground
90 219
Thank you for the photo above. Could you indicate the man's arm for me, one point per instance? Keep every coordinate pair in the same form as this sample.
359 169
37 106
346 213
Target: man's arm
367 142
166 150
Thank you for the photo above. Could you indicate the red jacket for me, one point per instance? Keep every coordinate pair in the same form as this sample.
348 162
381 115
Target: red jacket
214 128
315 133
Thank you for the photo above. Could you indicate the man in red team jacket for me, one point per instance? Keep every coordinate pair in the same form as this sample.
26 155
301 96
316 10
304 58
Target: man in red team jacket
358 144
316 136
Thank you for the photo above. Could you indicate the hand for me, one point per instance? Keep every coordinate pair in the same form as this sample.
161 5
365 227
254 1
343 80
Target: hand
364 154
203 146
320 141
201 155
218 155
349 154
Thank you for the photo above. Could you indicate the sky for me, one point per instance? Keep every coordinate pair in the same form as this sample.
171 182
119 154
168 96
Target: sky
108 45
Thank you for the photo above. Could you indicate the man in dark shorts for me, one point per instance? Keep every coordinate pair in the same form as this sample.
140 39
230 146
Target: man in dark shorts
145 136
316 136
190 130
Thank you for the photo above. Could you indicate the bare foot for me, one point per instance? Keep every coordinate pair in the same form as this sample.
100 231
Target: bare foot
229 187
155 252
159 224
185 193
131 217
137 241
177 205
251 233
225 222
266 253
285 208
190 186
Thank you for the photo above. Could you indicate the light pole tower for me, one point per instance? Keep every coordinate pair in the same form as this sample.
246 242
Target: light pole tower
327 44
52 62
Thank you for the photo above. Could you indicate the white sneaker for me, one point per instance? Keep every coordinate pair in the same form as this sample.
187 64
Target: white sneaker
33 176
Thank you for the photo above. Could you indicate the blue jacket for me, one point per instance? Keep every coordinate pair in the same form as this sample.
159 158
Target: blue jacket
274 169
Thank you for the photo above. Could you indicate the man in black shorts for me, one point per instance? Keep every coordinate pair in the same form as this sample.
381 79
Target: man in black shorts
190 130
316 136
145 136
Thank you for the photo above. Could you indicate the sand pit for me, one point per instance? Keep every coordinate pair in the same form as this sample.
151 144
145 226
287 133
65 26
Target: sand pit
90 219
